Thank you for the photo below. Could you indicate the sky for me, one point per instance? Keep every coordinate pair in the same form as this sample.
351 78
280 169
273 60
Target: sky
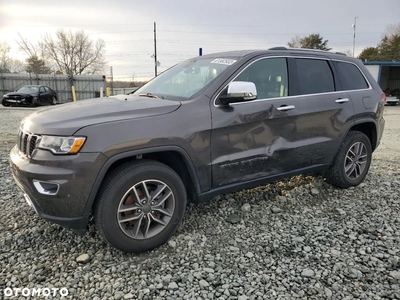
183 26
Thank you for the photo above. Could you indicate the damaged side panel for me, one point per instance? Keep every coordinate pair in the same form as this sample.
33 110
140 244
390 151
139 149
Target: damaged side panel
255 139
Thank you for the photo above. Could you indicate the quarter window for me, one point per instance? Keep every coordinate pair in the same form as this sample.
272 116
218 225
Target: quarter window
350 76
269 76
315 76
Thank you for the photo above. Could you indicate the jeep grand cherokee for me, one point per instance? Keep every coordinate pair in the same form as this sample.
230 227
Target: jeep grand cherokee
209 125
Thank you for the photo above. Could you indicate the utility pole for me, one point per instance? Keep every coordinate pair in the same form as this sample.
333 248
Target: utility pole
155 50
354 35
112 80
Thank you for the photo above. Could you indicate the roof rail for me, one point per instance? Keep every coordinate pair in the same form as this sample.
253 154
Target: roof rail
305 49
278 48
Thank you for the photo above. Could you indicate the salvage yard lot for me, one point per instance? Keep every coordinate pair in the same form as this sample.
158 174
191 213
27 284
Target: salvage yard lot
302 238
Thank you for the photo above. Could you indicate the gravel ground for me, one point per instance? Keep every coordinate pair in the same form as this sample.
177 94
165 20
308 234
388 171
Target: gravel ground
299 238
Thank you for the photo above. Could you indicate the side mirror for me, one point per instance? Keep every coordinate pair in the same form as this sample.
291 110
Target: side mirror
239 91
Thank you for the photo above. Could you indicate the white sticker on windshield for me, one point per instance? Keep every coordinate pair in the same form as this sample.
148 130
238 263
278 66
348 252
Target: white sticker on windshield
223 61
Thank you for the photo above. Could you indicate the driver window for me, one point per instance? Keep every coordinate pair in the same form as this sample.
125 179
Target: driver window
270 77
41 90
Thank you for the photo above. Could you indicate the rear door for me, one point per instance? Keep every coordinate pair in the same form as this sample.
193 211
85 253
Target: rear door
323 111
354 83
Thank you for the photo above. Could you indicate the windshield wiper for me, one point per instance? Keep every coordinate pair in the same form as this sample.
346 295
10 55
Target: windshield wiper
150 95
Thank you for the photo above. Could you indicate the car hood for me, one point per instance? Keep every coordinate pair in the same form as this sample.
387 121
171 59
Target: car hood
22 95
68 118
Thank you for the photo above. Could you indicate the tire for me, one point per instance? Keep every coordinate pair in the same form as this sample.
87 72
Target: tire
122 188
355 143
4 103
53 100
35 102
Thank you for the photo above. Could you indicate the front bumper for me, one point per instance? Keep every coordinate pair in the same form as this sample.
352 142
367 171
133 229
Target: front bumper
73 175
392 101
23 101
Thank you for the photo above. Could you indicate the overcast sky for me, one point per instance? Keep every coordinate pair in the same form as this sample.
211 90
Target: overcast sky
183 26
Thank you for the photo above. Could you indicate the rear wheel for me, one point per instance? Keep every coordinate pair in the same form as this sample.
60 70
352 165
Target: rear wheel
352 162
140 206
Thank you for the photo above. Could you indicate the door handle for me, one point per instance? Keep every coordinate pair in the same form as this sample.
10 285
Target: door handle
343 100
286 107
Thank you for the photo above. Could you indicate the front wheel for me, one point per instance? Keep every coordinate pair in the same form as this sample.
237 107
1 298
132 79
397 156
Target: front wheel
53 100
352 162
140 206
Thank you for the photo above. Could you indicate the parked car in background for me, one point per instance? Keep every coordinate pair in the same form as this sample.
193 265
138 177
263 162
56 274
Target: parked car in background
392 100
30 95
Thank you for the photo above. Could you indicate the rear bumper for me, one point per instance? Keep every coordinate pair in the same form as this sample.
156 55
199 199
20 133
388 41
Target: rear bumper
381 127
66 181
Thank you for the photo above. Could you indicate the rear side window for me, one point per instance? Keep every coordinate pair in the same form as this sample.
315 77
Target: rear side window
315 76
350 76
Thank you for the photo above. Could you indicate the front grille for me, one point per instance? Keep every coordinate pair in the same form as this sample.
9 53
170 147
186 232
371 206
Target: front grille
26 142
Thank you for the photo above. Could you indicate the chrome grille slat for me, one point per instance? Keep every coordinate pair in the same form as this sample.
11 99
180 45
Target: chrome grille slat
26 142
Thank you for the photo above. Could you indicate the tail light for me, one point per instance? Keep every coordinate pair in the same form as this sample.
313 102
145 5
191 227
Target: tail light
383 98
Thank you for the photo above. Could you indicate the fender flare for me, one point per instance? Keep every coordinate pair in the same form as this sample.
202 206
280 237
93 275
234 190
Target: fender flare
103 171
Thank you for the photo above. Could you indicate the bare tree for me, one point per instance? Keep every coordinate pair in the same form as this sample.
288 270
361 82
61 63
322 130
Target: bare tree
295 42
16 66
7 63
37 61
75 53
393 30
348 52
4 57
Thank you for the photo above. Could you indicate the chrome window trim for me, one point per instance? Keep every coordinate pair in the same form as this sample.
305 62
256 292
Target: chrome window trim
295 96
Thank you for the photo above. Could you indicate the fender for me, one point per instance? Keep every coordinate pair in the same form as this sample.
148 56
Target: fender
351 125
117 157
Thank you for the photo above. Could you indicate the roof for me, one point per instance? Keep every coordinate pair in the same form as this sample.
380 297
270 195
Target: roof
281 50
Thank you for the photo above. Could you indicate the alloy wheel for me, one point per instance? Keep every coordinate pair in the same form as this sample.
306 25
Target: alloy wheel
146 209
356 161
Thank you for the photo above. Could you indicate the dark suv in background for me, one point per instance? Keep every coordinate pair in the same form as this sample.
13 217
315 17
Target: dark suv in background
209 125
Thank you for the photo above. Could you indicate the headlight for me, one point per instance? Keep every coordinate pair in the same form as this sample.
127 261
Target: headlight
62 144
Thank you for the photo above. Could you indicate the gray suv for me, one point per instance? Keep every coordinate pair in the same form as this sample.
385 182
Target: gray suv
210 125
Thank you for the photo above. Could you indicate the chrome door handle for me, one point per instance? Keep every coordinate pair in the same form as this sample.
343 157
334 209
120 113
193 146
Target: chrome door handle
343 100
286 107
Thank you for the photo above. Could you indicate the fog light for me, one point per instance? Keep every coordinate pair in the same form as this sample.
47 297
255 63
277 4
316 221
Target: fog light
46 188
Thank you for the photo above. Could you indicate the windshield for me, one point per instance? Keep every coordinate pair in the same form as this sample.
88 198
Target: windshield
28 89
185 79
